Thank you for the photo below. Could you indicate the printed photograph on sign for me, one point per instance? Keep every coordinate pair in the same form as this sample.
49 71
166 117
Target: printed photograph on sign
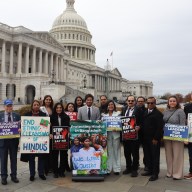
88 148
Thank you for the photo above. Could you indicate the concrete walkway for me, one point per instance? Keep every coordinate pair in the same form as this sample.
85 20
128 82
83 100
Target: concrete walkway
112 183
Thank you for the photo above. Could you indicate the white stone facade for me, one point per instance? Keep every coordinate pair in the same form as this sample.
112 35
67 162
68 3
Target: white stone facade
60 63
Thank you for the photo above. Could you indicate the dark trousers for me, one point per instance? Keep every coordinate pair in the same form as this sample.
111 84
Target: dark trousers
48 164
10 147
32 164
152 156
190 156
131 153
59 167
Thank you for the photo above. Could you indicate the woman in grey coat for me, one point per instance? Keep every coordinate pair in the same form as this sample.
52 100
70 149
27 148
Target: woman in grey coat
174 150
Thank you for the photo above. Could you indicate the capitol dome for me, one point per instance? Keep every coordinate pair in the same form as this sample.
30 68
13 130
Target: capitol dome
70 29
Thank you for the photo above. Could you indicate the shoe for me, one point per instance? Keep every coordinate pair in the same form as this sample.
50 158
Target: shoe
116 173
126 171
189 176
108 173
146 169
32 178
153 178
15 180
134 174
176 178
4 181
61 174
55 175
42 177
68 169
168 176
146 174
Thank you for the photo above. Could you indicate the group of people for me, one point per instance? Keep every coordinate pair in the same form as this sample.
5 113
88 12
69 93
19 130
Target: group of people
149 126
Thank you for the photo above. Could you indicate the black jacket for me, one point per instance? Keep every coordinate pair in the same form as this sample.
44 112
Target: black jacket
188 109
65 120
153 125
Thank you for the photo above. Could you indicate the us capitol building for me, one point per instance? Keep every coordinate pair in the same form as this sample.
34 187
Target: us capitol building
60 62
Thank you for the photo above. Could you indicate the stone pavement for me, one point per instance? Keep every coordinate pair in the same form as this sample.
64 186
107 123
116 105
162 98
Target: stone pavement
112 183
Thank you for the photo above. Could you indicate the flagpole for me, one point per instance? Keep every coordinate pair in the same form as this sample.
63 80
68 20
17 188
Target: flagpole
111 59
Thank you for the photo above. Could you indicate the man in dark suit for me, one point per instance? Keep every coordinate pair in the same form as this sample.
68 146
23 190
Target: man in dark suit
152 134
88 112
187 110
131 147
9 146
141 105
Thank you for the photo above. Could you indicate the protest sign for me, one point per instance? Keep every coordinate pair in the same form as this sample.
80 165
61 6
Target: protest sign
88 147
72 115
9 130
189 123
113 123
35 134
87 161
60 138
128 128
175 132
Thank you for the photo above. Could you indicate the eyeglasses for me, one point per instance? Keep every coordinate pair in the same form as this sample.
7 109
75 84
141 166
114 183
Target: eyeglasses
150 103
130 101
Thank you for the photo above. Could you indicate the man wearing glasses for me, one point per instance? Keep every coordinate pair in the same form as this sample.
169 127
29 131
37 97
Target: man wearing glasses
9 146
131 147
152 133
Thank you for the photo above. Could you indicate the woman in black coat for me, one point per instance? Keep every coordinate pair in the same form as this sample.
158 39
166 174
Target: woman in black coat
35 111
59 118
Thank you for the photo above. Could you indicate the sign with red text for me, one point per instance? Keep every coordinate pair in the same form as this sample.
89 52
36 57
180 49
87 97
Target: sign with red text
60 138
128 128
72 115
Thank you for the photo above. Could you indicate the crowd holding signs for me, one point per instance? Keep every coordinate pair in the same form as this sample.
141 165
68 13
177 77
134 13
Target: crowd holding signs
88 139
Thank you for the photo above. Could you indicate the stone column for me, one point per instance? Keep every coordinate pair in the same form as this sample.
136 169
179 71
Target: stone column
62 69
27 60
67 68
80 53
3 89
11 60
19 61
51 61
46 62
76 52
57 67
34 61
3 57
96 82
40 61
87 54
